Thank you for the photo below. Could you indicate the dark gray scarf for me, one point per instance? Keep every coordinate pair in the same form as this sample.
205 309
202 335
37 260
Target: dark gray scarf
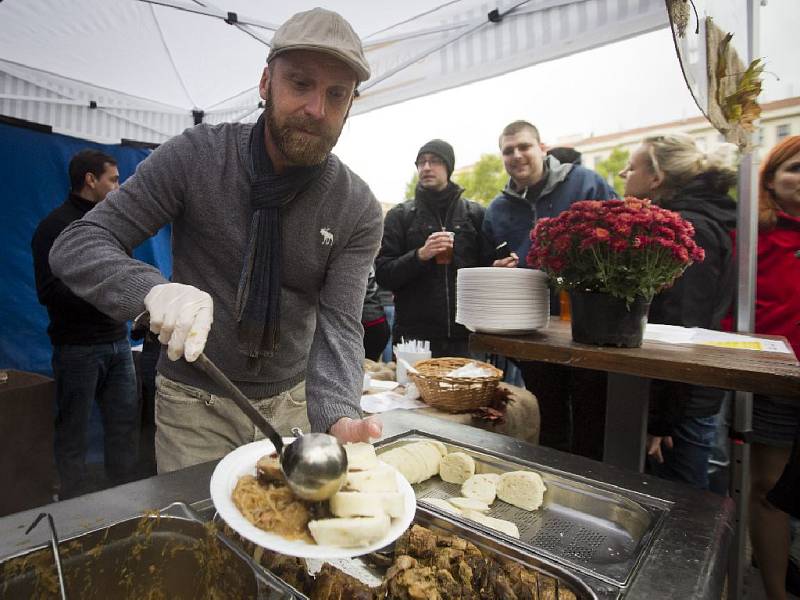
258 300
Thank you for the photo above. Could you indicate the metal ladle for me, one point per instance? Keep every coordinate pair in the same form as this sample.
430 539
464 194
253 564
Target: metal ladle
314 465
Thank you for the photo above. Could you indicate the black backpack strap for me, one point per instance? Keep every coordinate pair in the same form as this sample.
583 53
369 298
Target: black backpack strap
474 215
409 210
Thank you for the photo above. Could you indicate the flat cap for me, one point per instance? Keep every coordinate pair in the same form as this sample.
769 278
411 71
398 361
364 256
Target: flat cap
321 30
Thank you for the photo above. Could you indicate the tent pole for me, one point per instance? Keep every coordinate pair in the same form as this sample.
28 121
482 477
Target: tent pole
746 246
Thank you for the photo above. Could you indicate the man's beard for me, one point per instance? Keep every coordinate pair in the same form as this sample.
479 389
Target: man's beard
289 135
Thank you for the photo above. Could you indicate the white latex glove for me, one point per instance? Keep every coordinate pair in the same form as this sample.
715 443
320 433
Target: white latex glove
181 315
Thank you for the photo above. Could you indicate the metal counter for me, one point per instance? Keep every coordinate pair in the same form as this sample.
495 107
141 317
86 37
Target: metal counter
686 559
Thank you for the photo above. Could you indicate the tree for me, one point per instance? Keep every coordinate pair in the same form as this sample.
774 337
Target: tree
484 180
611 166
411 186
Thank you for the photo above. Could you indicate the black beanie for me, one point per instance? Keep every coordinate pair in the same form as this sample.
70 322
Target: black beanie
443 150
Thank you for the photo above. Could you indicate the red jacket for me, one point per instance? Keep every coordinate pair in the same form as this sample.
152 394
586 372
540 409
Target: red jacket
778 281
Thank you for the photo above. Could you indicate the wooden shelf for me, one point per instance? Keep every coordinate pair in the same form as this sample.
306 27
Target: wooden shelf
769 373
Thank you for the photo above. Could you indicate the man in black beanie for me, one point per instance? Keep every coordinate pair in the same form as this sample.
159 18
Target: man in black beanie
425 241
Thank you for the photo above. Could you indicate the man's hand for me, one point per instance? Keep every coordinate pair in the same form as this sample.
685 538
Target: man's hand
356 430
181 315
654 446
508 261
437 242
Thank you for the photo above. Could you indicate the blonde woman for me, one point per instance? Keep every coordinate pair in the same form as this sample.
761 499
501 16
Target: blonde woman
675 174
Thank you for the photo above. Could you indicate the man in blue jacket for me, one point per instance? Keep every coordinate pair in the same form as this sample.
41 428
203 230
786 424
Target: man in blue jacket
539 186
570 400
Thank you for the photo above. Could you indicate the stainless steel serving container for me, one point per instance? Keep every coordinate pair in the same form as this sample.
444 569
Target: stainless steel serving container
679 537
581 525
168 554
559 577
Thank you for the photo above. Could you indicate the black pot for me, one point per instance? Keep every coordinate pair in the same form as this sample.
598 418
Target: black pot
604 320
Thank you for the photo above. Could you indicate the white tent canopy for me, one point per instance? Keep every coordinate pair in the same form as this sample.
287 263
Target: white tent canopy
144 70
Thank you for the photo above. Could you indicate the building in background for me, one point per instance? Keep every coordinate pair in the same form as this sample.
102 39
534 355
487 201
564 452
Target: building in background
778 120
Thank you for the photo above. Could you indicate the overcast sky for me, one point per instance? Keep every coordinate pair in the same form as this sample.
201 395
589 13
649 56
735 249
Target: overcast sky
620 86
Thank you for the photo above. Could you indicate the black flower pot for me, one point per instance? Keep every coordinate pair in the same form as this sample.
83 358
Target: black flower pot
604 320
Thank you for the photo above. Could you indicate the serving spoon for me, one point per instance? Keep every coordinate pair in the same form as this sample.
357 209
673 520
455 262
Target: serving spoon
314 464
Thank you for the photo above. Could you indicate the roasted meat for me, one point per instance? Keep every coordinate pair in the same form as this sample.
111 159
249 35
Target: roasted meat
331 584
417 583
548 588
524 581
268 469
425 566
417 542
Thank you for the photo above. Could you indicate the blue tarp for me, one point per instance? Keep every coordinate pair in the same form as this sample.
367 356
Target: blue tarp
33 181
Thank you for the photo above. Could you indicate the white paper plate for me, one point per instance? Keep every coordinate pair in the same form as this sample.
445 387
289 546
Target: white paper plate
242 461
504 330
501 272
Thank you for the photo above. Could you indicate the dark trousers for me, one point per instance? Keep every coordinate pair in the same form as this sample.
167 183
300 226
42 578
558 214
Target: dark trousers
376 336
148 359
687 461
572 405
454 347
84 374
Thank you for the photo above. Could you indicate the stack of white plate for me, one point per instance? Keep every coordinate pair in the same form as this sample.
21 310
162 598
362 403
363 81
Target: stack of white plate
502 300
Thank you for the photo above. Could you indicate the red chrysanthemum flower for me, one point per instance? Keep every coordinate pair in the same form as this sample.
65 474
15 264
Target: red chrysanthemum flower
627 248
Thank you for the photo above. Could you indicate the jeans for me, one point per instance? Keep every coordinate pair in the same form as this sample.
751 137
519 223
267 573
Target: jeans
84 374
693 439
387 351
148 359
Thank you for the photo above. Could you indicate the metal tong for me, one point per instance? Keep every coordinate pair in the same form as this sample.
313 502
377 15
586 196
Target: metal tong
54 544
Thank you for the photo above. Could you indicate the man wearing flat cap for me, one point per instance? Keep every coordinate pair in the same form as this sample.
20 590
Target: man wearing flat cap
272 238
425 241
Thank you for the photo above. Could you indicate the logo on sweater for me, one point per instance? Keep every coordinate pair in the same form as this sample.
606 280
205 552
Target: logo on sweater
327 236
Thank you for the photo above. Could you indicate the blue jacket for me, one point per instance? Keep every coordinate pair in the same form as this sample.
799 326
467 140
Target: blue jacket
510 216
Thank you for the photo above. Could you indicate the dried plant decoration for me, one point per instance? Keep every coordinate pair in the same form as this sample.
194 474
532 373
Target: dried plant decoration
733 90
741 106
495 411
679 15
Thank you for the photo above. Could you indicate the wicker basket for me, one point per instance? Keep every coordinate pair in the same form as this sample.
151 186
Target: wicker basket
454 394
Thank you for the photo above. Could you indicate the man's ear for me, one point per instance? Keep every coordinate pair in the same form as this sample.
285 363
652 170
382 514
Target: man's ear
264 83
89 180
349 106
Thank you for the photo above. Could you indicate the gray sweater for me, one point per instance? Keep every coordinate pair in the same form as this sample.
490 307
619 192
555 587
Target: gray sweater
200 182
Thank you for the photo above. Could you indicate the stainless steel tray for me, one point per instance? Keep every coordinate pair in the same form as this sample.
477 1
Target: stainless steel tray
556 576
171 554
581 524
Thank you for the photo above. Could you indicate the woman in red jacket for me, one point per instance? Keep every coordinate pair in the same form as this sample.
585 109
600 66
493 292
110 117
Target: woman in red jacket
777 312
